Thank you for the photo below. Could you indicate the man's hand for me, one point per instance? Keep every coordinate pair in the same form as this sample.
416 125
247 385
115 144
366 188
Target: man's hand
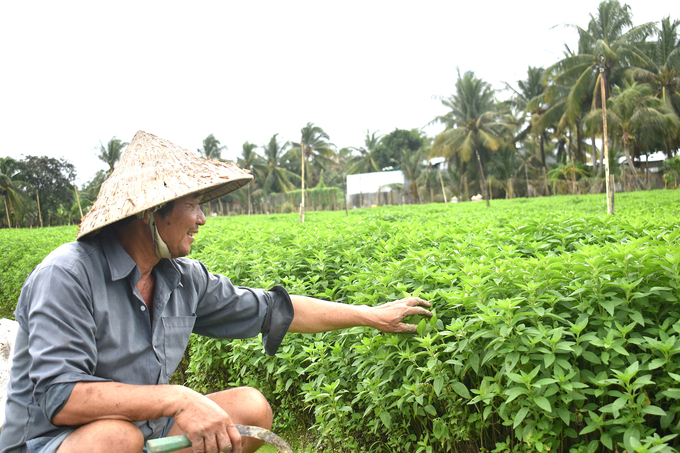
207 425
390 317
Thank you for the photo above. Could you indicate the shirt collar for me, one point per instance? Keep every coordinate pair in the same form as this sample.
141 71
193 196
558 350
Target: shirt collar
170 272
121 264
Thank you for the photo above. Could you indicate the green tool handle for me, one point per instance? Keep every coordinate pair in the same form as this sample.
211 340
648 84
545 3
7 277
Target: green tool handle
167 444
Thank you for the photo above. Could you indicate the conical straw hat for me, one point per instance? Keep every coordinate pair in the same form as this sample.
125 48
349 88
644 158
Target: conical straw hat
153 171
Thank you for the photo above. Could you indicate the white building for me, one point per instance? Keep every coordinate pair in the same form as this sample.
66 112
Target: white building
366 184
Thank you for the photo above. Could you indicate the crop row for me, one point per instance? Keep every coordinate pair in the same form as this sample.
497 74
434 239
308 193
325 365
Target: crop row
557 327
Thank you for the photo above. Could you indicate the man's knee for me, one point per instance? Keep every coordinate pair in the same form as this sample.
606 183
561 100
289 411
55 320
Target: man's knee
246 406
260 407
101 435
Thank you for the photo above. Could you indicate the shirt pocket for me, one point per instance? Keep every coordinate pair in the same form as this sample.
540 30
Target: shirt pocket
177 331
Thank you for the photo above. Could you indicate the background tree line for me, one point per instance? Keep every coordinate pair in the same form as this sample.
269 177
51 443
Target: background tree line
544 137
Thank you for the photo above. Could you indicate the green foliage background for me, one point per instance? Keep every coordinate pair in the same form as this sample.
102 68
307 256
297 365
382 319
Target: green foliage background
21 250
556 326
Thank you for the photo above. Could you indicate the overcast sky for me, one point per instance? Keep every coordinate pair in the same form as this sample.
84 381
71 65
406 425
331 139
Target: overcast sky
77 73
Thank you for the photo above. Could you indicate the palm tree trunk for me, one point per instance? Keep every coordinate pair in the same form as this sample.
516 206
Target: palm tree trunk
302 203
593 156
4 199
482 180
414 193
526 179
37 195
647 170
540 140
250 206
605 142
441 181
467 191
631 165
560 150
75 189
579 145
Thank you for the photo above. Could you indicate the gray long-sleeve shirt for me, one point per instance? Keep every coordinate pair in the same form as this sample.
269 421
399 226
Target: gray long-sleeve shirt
82 320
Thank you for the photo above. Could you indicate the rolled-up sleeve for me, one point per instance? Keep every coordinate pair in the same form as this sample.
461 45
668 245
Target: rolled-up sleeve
279 316
63 335
226 311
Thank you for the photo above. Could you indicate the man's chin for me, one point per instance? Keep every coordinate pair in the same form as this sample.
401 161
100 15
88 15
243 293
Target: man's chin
181 253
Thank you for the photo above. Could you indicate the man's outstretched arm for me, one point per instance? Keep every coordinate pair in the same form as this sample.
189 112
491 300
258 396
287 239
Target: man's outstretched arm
314 315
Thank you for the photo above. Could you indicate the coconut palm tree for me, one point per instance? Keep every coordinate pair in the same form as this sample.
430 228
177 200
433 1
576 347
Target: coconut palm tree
248 160
316 152
633 112
313 146
664 72
429 180
411 164
532 100
664 69
211 148
365 162
473 125
110 154
12 189
504 166
273 177
611 42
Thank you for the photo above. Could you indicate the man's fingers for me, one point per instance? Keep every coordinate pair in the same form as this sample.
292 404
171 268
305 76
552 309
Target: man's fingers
411 311
410 328
235 439
197 444
416 301
210 444
224 444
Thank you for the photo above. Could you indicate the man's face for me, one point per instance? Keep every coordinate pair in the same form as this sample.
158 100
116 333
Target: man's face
178 227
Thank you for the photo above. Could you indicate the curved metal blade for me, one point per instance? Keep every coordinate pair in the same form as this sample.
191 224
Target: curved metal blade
265 435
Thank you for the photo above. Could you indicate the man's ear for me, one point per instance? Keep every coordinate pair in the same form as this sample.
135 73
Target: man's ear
143 216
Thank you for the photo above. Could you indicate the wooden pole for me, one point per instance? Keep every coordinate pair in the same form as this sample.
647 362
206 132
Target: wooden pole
526 178
302 203
37 195
442 183
605 141
75 189
9 224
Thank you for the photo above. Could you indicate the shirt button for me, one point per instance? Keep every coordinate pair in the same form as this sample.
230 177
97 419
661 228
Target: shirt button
142 307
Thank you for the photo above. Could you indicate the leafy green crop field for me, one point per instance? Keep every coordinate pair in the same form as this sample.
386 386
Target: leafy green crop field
557 327
20 251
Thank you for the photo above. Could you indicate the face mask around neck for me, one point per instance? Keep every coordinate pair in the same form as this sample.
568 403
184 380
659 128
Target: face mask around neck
161 248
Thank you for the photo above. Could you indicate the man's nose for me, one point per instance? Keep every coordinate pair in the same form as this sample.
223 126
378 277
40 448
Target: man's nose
201 217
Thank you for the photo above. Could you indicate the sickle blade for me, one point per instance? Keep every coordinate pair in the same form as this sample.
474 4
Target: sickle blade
265 435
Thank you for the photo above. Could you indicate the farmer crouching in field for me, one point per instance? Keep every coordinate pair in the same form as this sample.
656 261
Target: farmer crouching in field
105 320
